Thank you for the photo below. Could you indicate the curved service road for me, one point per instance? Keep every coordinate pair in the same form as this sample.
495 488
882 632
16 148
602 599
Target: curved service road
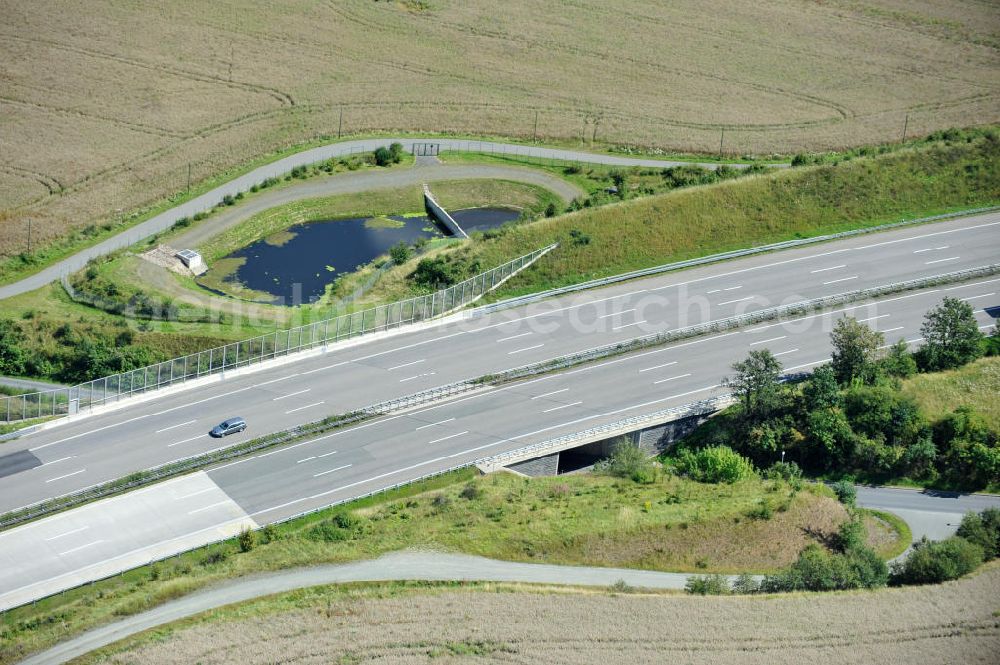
208 200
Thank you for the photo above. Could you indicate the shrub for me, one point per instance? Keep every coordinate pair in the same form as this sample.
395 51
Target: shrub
270 533
932 562
339 527
214 557
846 493
707 585
228 200
983 529
763 512
716 464
470 492
382 156
440 501
628 461
851 536
247 539
399 253
434 273
621 586
817 569
787 471
396 152
551 210
745 584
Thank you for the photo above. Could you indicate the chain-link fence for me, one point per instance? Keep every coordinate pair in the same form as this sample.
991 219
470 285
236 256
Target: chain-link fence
110 389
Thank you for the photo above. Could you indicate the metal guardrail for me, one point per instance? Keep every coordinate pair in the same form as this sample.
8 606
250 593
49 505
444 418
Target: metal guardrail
715 258
110 389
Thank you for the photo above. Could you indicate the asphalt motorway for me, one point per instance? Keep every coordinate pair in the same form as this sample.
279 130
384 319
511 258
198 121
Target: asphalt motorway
106 446
102 537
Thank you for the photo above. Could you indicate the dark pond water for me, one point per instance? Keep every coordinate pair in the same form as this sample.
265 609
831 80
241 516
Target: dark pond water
313 255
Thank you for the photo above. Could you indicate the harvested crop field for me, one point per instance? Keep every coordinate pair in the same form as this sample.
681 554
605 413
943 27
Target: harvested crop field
106 107
953 623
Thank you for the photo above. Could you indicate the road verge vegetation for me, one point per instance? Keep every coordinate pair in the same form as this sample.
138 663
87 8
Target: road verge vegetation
855 419
662 522
946 173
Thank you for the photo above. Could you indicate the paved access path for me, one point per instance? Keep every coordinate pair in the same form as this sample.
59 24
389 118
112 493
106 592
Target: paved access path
407 565
208 200
366 181
937 516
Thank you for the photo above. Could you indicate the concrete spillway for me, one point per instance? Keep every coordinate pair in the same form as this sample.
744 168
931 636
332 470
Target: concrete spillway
441 215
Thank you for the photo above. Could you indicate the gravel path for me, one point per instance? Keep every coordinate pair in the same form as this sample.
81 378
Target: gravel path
409 565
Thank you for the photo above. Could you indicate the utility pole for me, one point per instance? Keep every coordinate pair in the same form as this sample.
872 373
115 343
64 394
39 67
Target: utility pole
721 139
189 177
29 235
534 132
340 125
231 50
906 123
593 137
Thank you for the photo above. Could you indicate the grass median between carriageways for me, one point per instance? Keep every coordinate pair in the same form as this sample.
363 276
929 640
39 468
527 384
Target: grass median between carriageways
938 177
671 524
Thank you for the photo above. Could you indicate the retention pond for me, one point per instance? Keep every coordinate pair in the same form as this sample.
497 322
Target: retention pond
296 265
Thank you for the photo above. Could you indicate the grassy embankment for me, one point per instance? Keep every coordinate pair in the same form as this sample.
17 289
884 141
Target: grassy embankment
672 524
976 385
798 203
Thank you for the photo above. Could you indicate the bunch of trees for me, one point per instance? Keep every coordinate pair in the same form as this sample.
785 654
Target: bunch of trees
851 417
